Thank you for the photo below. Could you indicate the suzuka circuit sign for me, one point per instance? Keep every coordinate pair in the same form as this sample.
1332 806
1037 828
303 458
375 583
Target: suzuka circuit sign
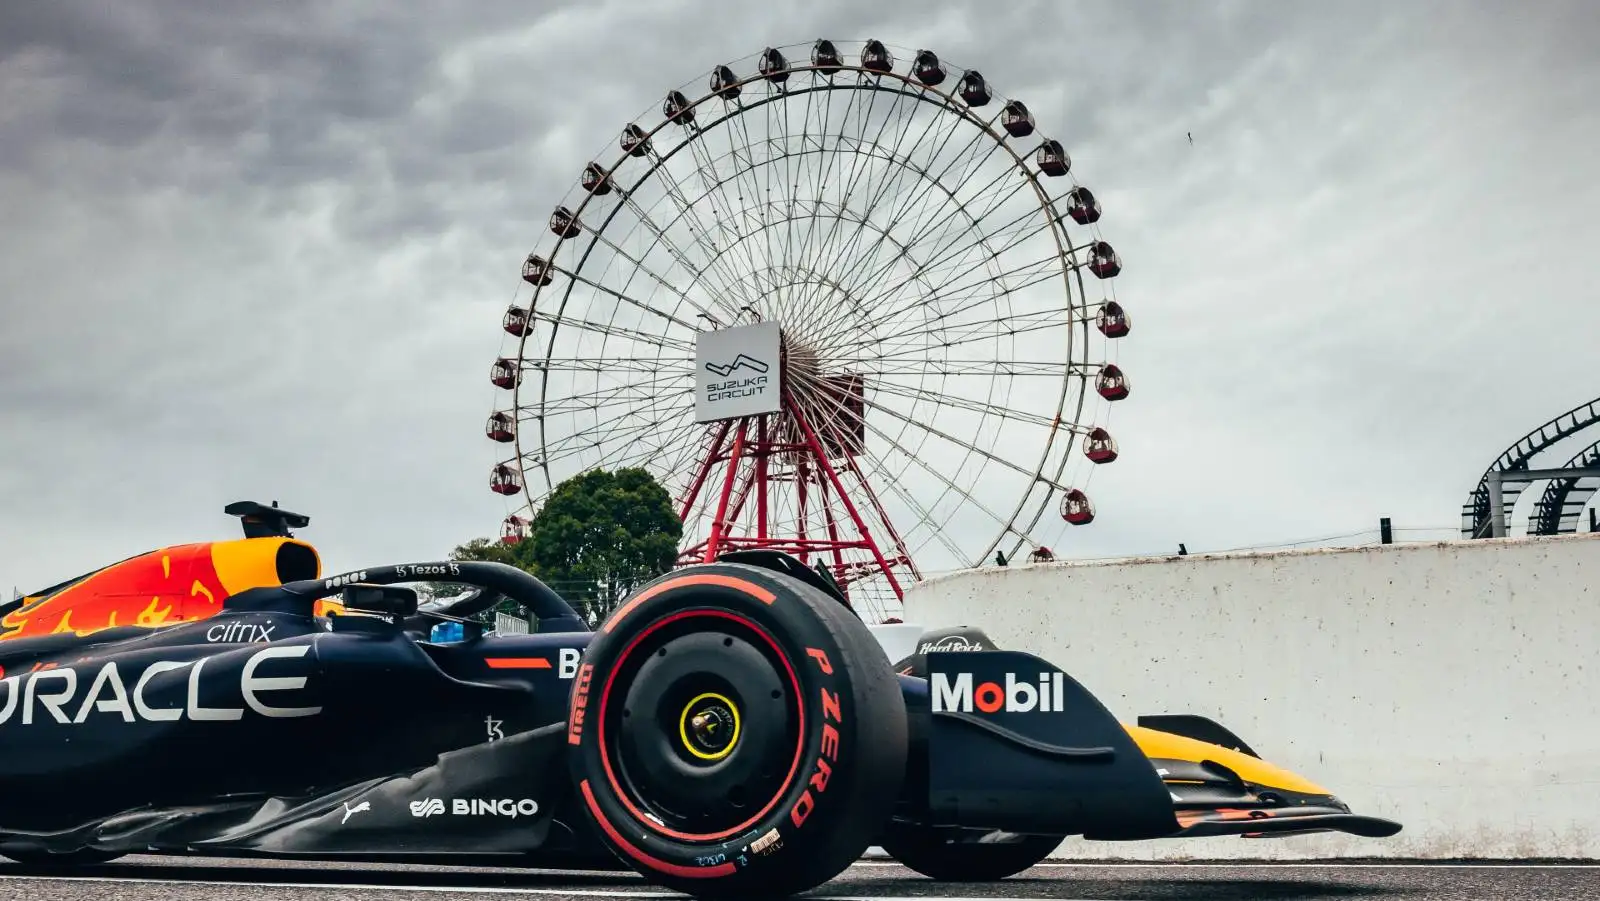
736 372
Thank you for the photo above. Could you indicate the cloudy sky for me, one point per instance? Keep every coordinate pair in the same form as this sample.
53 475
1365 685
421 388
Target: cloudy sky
262 250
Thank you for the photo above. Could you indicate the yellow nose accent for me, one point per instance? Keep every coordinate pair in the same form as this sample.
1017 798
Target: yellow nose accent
1177 747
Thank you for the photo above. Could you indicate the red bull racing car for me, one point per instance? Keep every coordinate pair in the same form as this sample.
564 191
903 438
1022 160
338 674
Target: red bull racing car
732 728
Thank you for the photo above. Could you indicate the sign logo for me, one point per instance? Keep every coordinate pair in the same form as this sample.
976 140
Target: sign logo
493 726
495 807
502 807
427 807
580 704
957 694
346 579
30 698
352 811
422 570
240 633
951 643
739 362
737 372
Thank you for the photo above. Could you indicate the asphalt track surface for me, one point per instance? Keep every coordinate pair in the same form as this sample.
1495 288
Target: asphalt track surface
143 878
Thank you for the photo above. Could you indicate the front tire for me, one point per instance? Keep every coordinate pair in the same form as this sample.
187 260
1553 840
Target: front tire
735 731
939 854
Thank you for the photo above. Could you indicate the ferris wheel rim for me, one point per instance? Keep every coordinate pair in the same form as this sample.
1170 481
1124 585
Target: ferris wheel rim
905 85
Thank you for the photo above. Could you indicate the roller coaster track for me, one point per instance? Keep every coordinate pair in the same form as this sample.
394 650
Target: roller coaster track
1561 506
1563 500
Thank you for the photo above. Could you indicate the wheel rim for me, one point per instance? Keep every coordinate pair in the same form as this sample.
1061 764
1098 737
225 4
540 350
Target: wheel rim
700 729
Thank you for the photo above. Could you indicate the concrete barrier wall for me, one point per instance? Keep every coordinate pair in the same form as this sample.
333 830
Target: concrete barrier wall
1453 687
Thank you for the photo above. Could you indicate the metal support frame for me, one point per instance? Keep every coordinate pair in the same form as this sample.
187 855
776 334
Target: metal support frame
1497 478
818 484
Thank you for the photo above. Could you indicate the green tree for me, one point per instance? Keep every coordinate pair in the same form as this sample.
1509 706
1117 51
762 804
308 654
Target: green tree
600 535
485 550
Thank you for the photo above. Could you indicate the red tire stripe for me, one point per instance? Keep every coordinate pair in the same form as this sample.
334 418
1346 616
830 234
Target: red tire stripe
750 588
660 866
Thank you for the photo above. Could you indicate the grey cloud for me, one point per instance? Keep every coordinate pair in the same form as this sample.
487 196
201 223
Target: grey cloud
263 249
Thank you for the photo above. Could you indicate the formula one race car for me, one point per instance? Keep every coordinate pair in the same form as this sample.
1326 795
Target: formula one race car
733 727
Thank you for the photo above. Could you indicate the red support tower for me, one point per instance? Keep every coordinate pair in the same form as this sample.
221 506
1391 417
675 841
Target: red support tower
804 457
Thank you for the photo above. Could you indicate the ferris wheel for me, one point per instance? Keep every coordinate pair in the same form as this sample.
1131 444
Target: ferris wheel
843 301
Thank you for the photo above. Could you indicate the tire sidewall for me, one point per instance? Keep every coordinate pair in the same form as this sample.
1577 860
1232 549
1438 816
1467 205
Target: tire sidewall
818 789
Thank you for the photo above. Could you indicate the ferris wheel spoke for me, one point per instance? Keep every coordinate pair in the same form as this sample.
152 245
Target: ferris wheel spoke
640 267
839 139
955 267
917 356
615 429
721 209
951 266
573 400
711 271
638 365
924 170
730 241
830 414
940 433
884 368
761 184
956 259
920 228
760 192
613 330
636 303
1035 272
649 448
962 403
979 214
899 162
860 162
944 478
585 440
603 398
867 283
943 250
818 175
906 497
778 120
792 177
803 247
953 327
697 273
840 317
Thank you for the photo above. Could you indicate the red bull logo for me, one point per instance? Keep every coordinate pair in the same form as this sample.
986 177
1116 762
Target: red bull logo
172 585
